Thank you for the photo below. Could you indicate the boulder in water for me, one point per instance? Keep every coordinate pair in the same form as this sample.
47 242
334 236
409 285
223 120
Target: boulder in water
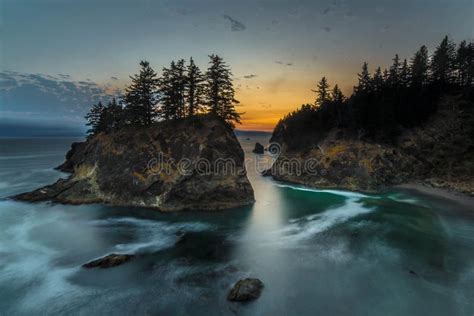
245 290
108 261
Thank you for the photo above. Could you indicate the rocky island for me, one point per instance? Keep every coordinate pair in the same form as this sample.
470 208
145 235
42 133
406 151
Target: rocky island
194 163
439 153
411 123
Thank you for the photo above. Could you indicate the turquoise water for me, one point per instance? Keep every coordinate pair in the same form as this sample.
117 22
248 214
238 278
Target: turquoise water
319 252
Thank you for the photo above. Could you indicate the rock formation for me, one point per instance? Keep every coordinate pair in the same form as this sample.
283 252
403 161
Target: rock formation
195 163
438 153
258 149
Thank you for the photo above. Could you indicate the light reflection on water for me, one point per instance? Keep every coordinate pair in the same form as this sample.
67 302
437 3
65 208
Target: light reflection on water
317 251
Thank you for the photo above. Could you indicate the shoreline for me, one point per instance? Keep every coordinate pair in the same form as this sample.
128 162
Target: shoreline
445 193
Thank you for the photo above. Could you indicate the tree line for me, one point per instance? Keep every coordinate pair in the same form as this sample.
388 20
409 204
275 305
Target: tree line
385 101
181 91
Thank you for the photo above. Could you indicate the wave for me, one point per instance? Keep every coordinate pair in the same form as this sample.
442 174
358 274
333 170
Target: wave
151 235
347 194
28 156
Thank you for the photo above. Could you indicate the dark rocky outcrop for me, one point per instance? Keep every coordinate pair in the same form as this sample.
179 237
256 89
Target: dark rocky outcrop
439 153
108 261
245 290
258 149
195 163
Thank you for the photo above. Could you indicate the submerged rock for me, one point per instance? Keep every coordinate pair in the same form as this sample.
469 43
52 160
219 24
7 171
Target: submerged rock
258 149
108 261
194 163
245 290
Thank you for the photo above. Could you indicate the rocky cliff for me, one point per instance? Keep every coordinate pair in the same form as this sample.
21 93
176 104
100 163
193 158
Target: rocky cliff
196 163
439 153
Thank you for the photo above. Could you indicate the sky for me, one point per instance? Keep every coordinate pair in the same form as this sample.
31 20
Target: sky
59 57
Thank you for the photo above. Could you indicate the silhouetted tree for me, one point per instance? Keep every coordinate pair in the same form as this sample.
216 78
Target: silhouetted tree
465 64
194 88
141 96
378 80
219 91
394 72
405 74
95 120
365 82
443 61
172 88
336 95
322 92
419 67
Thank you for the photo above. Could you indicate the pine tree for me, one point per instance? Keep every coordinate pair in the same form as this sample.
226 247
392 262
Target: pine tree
419 67
219 91
465 64
405 74
336 95
378 80
172 88
141 96
114 115
95 120
194 88
394 72
322 92
442 63
365 82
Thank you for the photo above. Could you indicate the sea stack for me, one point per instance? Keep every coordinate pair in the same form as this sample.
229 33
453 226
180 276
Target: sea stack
193 163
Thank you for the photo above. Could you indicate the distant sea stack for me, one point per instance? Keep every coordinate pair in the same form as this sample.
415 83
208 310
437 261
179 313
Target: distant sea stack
258 149
193 163
438 153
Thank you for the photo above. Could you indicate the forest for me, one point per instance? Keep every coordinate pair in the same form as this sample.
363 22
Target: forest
385 102
181 91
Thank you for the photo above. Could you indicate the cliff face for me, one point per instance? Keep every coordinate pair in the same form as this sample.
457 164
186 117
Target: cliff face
439 153
196 163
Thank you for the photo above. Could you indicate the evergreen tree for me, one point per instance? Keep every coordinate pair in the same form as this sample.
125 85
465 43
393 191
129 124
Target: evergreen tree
405 74
194 88
336 95
365 82
219 91
378 80
95 120
394 72
114 116
442 63
419 67
172 86
322 92
141 96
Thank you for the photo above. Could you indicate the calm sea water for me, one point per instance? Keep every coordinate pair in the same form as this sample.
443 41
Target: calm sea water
319 252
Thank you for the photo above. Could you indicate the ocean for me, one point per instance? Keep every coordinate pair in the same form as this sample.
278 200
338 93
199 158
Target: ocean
318 252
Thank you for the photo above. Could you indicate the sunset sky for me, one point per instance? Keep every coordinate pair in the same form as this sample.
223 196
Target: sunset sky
58 57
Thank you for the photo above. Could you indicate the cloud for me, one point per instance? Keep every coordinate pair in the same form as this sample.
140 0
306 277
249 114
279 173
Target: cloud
327 29
251 76
48 96
235 25
284 63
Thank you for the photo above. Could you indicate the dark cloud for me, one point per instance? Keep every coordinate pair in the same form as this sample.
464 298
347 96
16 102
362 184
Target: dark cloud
48 95
235 25
251 76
